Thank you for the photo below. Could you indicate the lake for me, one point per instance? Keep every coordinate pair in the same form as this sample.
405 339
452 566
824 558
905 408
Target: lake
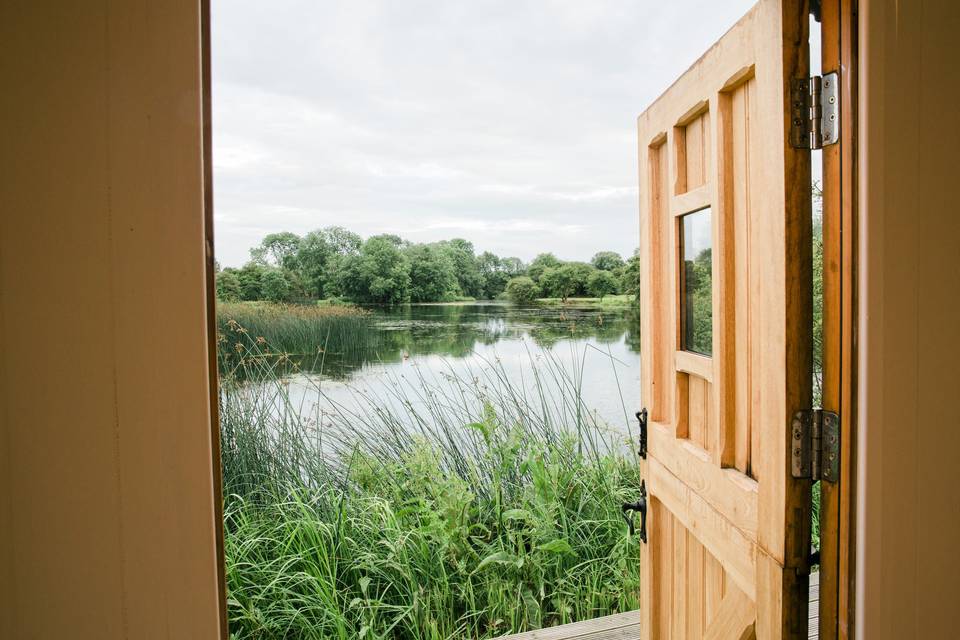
596 346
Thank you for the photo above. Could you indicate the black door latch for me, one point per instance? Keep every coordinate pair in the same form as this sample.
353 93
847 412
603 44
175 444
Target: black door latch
639 506
642 418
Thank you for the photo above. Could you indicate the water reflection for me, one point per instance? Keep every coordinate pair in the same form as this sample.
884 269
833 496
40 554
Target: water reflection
456 331
599 346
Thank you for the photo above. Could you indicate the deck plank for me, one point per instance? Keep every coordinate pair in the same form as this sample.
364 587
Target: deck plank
813 627
620 626
626 626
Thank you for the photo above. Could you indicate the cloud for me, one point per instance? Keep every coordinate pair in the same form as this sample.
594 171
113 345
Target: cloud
509 122
503 226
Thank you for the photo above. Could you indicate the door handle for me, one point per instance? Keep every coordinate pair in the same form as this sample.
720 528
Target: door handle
640 506
642 418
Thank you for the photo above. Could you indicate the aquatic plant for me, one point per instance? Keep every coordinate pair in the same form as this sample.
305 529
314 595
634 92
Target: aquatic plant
301 335
449 506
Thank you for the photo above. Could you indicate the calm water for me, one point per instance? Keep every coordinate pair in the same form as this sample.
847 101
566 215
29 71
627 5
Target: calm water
598 347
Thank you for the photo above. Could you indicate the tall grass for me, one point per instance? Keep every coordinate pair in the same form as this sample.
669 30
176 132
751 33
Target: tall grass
447 507
308 335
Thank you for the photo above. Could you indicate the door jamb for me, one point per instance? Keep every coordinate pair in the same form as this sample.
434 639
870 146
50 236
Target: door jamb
211 309
838 508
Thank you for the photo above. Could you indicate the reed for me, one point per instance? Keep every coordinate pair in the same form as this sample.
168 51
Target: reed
450 506
306 336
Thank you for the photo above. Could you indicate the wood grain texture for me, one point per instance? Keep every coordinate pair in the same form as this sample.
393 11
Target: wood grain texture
734 619
681 401
735 551
849 62
620 626
832 322
697 393
696 141
107 480
656 346
732 494
839 233
908 507
694 363
718 465
692 200
736 177
696 589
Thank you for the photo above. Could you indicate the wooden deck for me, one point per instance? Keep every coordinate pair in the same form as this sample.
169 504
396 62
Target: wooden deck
626 626
814 626
621 626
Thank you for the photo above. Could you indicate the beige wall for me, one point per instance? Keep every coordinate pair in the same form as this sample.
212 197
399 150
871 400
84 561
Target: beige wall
909 538
106 509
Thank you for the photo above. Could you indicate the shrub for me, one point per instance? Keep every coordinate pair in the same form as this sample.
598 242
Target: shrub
600 283
275 286
522 290
228 286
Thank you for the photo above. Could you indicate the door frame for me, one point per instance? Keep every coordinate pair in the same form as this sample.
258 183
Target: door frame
838 22
841 212
210 287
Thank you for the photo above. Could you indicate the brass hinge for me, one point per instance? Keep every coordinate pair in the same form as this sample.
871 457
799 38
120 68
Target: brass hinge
815 445
815 111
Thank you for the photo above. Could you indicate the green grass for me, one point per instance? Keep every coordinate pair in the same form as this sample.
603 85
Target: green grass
304 335
451 507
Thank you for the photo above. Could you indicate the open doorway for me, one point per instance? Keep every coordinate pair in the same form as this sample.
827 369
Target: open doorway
428 340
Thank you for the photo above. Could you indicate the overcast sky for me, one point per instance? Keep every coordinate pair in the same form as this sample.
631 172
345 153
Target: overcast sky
508 123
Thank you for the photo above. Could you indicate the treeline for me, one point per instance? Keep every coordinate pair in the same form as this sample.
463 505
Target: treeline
336 263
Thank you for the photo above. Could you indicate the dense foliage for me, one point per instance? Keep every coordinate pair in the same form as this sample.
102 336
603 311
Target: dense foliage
386 269
304 337
522 289
431 514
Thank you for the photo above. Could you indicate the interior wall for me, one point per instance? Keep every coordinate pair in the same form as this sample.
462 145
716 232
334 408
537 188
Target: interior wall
909 518
106 497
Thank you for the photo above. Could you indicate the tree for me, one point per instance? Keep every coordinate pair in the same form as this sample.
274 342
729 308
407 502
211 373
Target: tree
342 241
380 273
312 256
513 267
467 268
348 280
494 275
558 282
433 275
228 286
540 264
334 262
251 281
278 249
580 273
600 283
630 278
606 260
522 290
343 244
275 285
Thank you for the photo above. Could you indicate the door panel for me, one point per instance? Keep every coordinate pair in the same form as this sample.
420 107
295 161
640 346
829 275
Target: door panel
726 330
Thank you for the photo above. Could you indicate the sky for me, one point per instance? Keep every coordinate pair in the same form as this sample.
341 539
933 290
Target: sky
509 123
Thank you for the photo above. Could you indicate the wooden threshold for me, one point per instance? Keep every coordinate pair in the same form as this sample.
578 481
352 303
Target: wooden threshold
620 626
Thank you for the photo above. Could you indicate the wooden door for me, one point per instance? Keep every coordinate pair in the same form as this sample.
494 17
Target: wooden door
726 329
